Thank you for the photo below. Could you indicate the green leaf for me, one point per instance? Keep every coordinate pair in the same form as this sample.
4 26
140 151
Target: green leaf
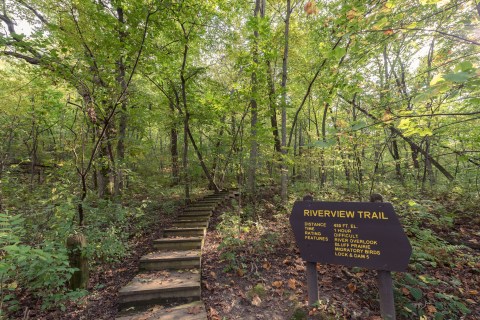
390 4
464 66
404 124
339 52
457 77
411 203
325 144
421 97
357 125
416 293
463 308
381 24
426 2
436 79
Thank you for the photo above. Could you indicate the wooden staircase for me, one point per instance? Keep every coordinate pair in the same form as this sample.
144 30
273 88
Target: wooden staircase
168 286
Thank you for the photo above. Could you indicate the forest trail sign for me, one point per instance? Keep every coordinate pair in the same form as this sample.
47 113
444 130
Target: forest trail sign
355 234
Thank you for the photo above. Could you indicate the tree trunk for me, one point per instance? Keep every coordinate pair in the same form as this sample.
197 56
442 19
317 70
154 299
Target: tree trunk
185 121
174 147
102 171
186 179
252 167
119 174
284 169
202 163
396 157
273 109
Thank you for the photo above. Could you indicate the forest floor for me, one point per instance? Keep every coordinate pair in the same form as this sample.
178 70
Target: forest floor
258 274
254 271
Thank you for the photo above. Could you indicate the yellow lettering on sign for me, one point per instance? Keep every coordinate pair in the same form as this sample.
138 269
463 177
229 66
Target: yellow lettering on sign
329 213
372 215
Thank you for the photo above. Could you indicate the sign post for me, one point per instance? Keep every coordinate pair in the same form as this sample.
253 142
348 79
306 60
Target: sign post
385 283
355 234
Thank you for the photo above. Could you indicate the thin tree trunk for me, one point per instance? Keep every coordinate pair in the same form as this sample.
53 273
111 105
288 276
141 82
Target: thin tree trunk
174 147
251 182
185 120
202 162
284 169
186 179
396 157
273 109
119 174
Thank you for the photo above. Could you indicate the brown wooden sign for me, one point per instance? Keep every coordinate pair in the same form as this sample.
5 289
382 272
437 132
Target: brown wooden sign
355 234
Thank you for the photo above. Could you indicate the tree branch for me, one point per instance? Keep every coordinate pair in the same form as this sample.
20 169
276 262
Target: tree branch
28 59
307 93
412 144
35 12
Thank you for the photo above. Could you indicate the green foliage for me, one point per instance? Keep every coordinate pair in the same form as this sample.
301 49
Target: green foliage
44 270
413 302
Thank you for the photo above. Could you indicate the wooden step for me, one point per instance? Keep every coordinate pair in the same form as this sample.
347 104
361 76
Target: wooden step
191 311
178 259
184 232
197 213
181 243
215 196
160 287
200 217
191 224
206 203
200 208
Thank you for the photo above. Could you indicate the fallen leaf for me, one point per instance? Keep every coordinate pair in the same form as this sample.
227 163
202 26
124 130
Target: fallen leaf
213 275
473 292
405 291
292 284
431 309
240 272
214 314
194 310
256 301
277 284
208 286
266 265
352 287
